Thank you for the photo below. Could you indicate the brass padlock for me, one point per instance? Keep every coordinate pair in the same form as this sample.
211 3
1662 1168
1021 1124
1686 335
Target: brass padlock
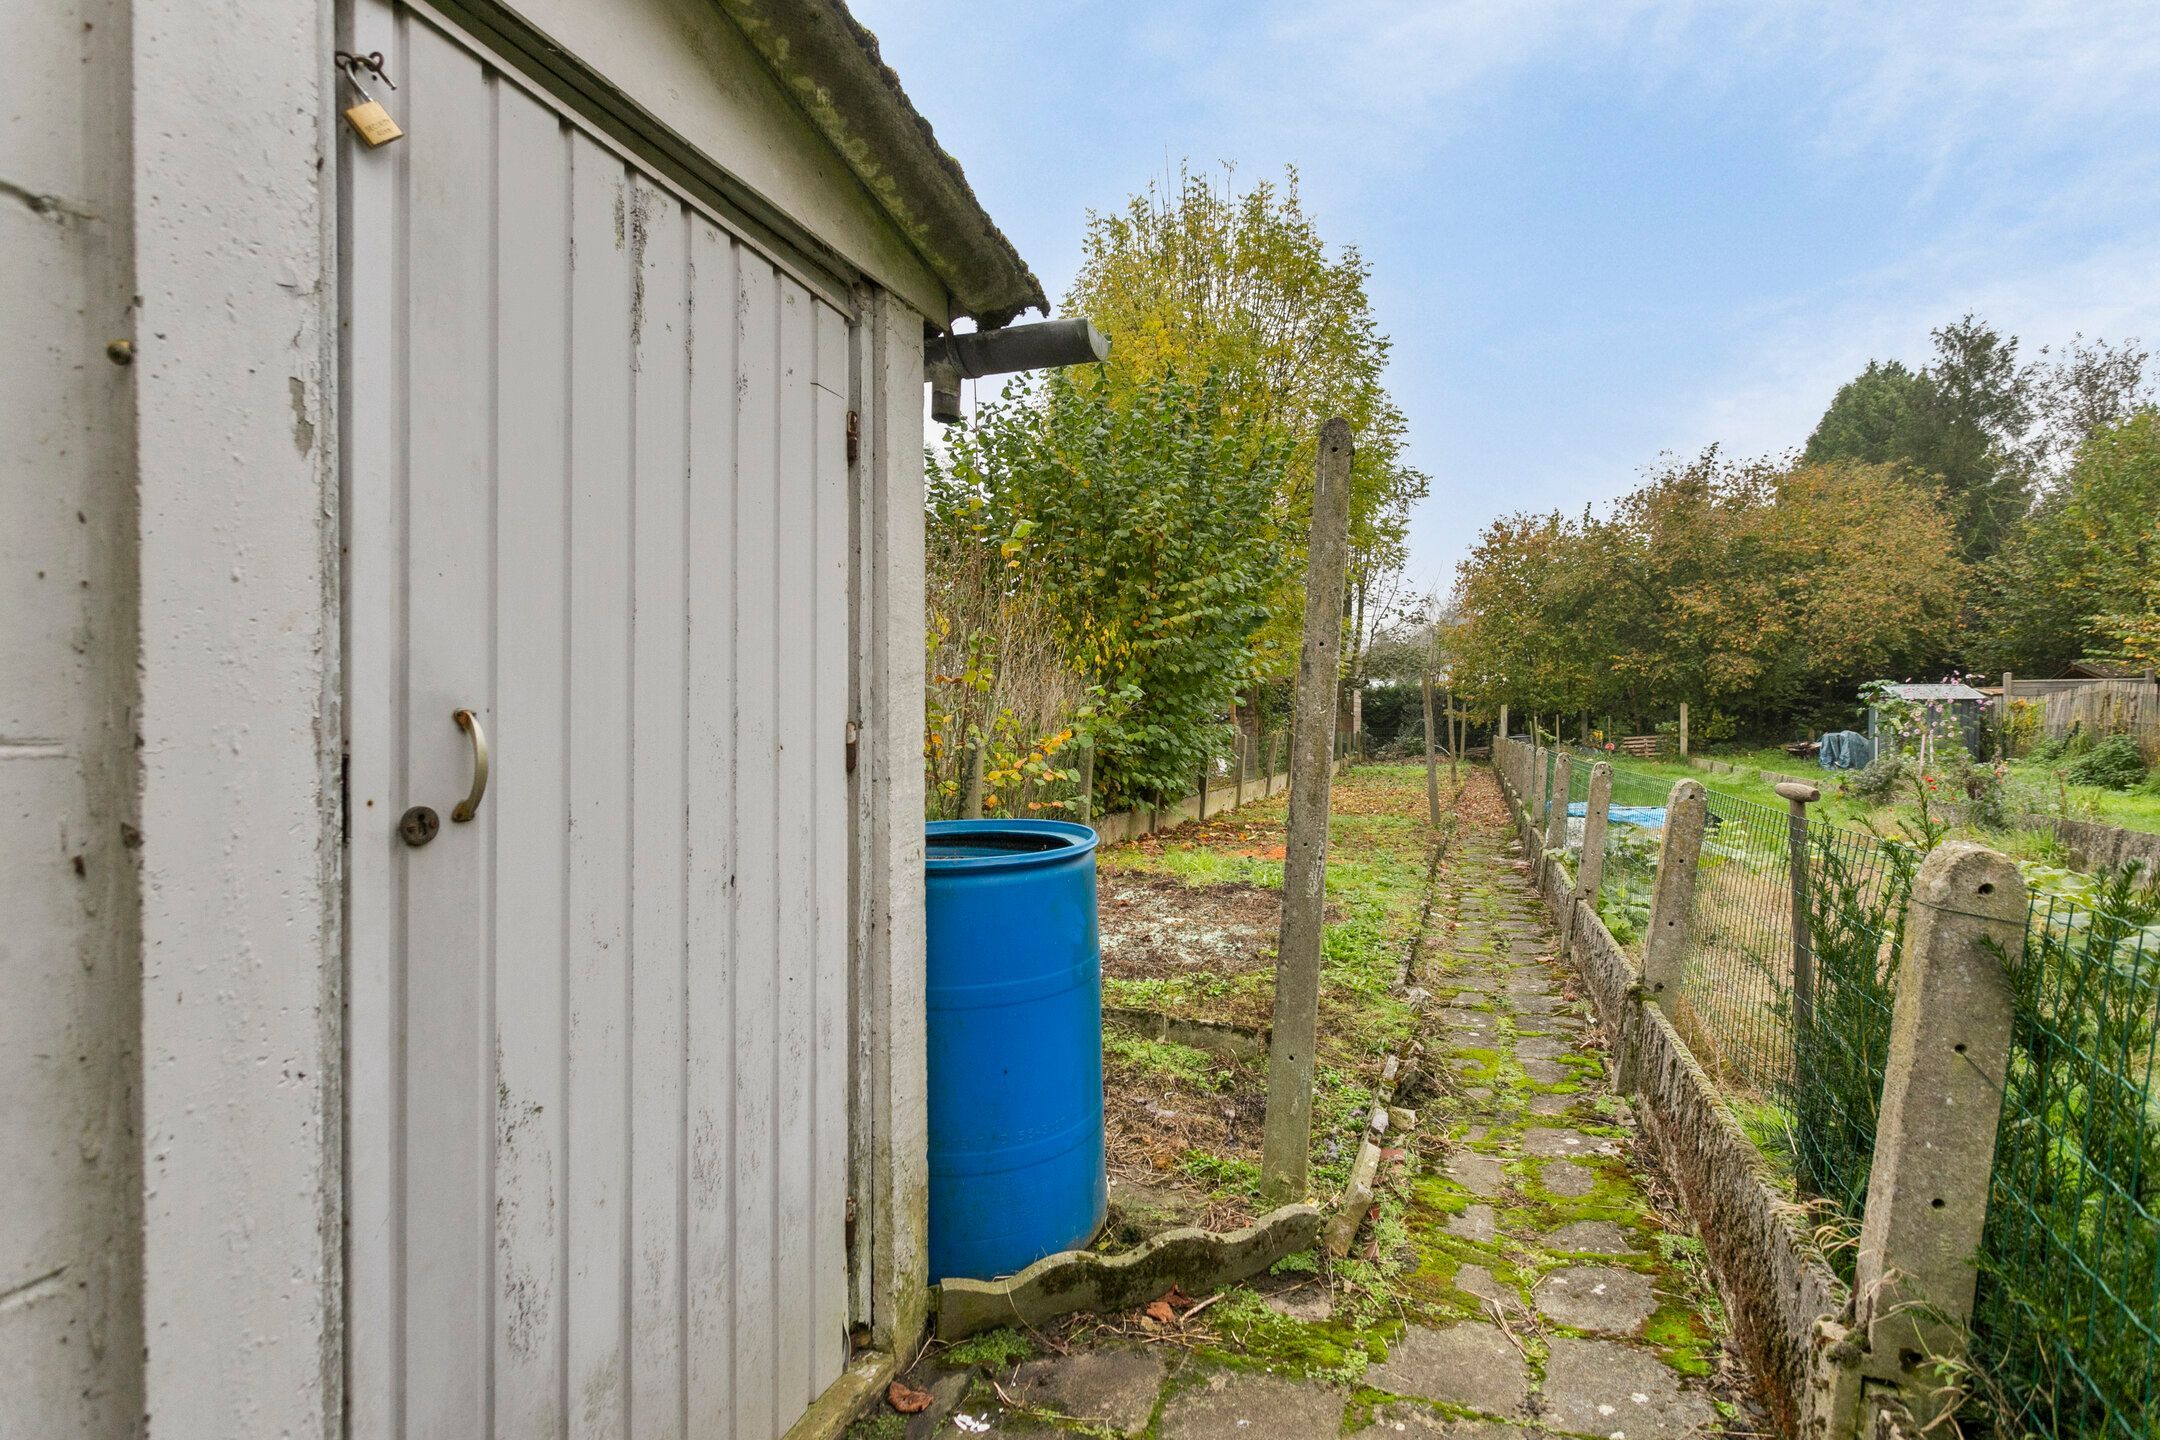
368 119
373 123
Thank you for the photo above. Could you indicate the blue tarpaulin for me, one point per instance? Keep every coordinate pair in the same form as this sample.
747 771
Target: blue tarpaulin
1846 750
1649 817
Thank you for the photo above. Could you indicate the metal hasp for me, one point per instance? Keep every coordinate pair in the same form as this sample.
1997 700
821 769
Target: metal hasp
1014 1044
1047 345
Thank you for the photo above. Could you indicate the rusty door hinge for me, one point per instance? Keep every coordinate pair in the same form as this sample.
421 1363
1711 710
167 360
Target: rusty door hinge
854 741
854 436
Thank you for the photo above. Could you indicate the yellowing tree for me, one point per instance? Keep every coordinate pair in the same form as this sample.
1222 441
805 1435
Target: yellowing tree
1198 278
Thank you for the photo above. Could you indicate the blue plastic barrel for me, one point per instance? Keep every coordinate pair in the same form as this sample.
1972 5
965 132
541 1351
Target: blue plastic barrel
1015 1041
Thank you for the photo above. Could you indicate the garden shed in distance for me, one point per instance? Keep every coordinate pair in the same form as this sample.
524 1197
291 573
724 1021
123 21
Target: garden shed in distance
1941 706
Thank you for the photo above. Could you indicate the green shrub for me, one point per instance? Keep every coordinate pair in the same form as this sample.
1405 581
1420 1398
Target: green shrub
1880 782
2111 764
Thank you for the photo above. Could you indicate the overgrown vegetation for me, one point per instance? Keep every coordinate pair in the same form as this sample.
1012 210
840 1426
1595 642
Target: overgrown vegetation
1116 554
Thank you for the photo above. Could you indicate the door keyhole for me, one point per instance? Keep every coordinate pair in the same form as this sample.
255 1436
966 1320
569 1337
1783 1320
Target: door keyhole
418 826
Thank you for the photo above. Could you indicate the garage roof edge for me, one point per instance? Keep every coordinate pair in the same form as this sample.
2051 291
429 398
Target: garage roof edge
830 65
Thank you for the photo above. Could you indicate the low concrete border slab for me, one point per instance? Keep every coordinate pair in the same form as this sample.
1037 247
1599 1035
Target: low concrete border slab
1195 1261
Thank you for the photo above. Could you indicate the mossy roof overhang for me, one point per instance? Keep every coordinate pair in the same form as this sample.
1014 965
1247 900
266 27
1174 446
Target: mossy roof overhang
824 58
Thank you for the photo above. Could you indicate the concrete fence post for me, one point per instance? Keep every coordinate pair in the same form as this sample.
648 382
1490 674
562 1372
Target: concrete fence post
971 800
1687 812
1935 1135
1432 757
1244 748
1590 869
1204 769
1267 782
1501 733
1556 810
1286 1138
1683 729
1798 796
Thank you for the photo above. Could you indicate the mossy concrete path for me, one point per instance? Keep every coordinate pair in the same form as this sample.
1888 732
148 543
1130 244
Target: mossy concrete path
1518 1278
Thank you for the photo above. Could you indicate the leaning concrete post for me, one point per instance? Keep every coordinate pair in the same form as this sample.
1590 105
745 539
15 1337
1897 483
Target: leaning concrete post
1501 733
1590 869
1935 1135
1683 729
1287 1141
1556 809
1432 759
1798 796
1665 947
1244 748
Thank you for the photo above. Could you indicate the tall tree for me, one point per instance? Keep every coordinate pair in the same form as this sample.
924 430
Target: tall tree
1964 420
1197 276
2075 578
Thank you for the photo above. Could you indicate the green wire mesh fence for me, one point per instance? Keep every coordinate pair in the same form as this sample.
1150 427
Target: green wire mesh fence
2067 1325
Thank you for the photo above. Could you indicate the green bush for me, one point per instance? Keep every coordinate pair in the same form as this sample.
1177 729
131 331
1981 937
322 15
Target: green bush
2111 764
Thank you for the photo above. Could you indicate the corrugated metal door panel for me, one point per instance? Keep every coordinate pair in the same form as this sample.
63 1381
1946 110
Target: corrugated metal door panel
598 493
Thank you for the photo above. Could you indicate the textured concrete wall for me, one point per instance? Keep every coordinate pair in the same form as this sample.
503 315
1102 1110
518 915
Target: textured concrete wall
2103 847
70 1258
236 436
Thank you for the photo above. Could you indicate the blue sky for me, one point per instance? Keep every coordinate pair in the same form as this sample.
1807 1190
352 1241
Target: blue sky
1599 229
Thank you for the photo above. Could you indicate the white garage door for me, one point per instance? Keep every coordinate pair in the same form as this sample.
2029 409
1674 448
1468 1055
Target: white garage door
597 493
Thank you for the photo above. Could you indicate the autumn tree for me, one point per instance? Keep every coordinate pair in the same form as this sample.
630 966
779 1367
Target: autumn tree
1139 526
1198 277
1758 588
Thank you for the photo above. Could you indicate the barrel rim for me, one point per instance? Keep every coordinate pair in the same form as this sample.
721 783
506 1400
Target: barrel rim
1081 839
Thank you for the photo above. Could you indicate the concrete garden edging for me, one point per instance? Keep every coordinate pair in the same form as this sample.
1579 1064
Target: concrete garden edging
1783 1300
1191 1259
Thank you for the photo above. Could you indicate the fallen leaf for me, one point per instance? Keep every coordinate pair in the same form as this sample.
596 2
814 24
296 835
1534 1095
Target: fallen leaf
1161 1313
1179 1300
906 1401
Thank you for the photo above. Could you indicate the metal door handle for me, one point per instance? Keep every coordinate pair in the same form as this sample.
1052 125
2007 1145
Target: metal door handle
470 805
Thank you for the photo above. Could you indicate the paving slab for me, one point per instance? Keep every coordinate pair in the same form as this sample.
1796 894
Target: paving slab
1475 1223
1567 1179
1245 1406
1541 1047
1555 1144
1547 1072
1597 1298
1598 1387
1477 1280
1401 1418
1311 1302
1479 1174
1113 1388
1470 1364
1600 1237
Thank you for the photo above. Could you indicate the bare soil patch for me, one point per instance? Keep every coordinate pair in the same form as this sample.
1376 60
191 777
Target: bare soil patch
1156 926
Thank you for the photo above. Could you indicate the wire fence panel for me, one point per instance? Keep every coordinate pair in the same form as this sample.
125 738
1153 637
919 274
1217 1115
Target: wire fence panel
2067 1327
1857 892
1735 1004
1635 825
